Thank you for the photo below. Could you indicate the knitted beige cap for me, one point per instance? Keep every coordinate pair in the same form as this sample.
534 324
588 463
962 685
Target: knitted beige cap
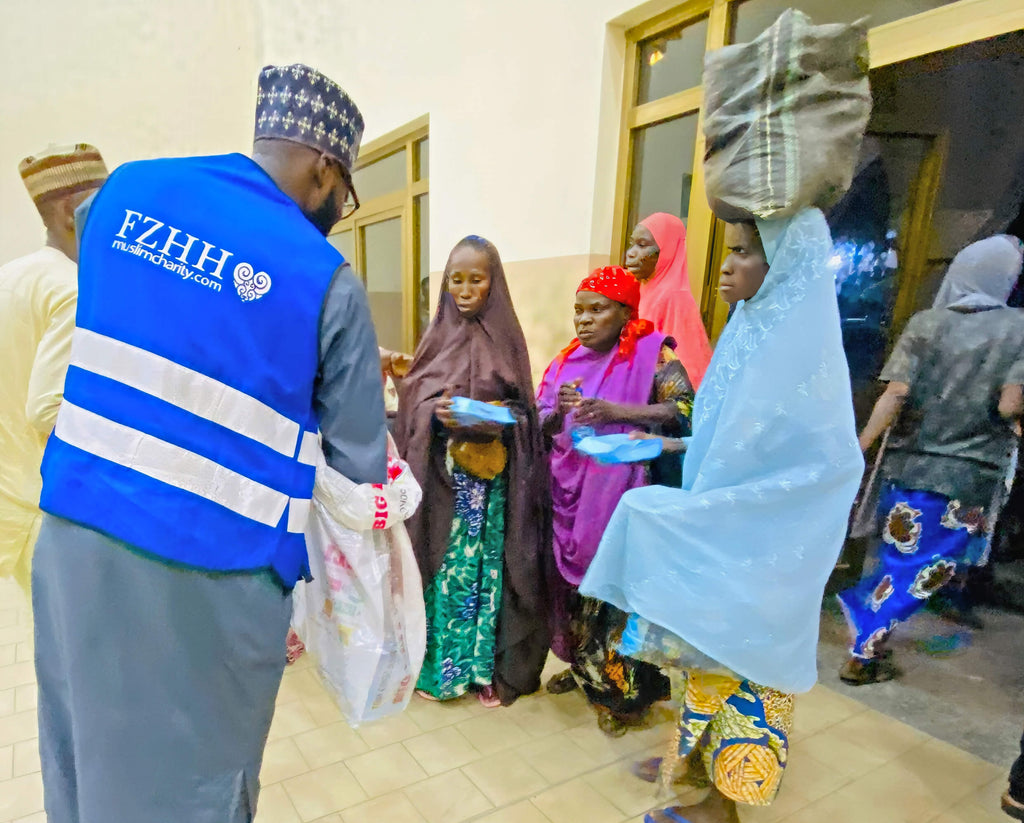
58 171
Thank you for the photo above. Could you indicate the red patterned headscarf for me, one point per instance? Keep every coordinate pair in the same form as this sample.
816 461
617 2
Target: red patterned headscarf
617 284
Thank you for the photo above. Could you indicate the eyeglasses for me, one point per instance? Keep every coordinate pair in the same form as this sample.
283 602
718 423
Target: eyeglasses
351 204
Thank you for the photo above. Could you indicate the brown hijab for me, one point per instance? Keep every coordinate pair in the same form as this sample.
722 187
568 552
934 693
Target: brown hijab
485 358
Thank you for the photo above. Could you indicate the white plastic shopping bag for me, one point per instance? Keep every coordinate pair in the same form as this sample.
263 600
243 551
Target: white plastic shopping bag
362 617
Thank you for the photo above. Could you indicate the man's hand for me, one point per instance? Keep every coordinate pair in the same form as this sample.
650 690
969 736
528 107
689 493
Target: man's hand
395 364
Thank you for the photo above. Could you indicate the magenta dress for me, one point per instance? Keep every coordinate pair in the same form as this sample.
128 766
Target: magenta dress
584 495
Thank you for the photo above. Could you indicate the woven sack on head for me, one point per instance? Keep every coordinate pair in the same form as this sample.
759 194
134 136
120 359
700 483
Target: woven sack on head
784 117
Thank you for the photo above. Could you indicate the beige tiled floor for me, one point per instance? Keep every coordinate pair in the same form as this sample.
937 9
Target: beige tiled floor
542 760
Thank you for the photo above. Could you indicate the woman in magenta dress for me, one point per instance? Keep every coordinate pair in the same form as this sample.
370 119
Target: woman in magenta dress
617 375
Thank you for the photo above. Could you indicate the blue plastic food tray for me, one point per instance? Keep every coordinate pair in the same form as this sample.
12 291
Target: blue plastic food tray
468 412
618 448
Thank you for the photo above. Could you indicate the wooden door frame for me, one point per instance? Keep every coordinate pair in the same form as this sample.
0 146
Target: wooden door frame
359 225
399 203
943 28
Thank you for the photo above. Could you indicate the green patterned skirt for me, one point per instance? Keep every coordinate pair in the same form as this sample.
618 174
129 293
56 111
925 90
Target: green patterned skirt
463 598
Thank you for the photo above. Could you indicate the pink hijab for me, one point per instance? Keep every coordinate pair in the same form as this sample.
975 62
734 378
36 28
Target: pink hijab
667 301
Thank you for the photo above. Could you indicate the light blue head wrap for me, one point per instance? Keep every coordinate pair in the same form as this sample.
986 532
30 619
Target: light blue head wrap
735 562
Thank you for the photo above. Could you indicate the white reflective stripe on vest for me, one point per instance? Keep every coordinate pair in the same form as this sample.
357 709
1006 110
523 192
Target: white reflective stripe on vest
169 464
185 388
310 448
298 514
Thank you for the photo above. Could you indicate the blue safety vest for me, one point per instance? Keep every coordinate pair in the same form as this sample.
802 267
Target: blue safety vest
187 428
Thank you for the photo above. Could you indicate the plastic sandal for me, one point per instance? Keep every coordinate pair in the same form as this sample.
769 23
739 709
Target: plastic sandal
647 770
562 683
669 813
294 647
488 698
610 724
1012 807
878 670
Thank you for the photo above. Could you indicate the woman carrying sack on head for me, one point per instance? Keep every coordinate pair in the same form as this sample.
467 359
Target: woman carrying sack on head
724 577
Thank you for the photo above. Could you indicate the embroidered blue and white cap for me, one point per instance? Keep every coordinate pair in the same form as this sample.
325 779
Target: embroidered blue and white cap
300 104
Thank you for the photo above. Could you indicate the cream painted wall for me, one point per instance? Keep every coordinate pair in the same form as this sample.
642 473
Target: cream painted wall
514 92
524 102
543 295
523 98
134 77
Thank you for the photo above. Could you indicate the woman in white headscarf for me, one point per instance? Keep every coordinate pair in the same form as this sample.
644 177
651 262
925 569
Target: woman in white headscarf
982 275
954 398
727 573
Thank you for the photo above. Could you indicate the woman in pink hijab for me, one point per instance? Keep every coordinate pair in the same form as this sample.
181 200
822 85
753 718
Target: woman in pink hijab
657 258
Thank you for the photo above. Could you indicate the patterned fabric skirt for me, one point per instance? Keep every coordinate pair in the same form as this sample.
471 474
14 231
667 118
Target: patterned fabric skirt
463 598
926 538
735 735
620 684
732 733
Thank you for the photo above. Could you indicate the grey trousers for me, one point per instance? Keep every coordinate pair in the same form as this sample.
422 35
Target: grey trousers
156 684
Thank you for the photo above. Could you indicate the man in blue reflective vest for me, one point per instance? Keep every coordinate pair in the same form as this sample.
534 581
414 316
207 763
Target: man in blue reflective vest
220 342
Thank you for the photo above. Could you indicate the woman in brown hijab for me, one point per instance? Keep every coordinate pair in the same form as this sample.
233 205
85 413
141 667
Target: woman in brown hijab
479 534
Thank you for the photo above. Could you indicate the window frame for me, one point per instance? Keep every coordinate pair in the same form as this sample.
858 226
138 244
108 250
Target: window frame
399 203
945 27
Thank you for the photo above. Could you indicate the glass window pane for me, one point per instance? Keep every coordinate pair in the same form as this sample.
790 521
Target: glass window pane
422 211
383 177
751 17
344 242
662 168
423 159
383 270
867 227
672 61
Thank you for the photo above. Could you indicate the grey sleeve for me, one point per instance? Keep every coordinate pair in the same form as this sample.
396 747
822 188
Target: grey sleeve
1015 371
1015 376
349 393
902 365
